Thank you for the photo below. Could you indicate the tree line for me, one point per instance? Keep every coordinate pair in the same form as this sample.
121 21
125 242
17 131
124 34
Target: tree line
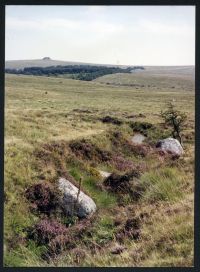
81 72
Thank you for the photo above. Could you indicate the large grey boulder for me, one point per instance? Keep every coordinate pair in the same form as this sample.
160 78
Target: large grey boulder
170 145
74 204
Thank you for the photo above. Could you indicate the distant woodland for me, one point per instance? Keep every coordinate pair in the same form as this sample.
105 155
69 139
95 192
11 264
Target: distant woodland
80 72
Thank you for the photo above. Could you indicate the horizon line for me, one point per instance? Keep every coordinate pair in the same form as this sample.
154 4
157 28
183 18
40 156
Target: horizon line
102 63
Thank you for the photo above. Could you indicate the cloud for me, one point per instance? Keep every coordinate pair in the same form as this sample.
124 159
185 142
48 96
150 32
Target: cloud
165 28
14 23
59 23
96 9
102 34
20 24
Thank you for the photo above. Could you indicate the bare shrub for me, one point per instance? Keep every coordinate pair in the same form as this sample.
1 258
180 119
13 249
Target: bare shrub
175 119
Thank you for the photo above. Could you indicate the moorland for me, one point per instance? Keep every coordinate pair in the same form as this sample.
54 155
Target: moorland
61 127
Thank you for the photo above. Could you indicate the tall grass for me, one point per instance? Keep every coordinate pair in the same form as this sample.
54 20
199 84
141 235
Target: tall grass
162 185
34 118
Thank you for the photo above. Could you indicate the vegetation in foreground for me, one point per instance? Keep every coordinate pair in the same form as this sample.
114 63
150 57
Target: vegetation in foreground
61 127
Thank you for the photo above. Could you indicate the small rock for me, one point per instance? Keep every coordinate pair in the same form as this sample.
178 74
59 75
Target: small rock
170 145
138 138
82 207
104 174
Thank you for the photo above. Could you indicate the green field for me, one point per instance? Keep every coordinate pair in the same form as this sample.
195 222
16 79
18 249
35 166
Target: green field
44 115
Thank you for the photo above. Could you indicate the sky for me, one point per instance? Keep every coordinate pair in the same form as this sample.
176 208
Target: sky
126 35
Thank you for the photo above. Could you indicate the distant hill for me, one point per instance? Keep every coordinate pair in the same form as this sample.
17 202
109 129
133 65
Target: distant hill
46 62
177 71
154 77
153 70
159 72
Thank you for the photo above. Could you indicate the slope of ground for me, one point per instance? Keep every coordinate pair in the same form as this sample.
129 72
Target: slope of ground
46 62
20 64
180 77
46 120
176 71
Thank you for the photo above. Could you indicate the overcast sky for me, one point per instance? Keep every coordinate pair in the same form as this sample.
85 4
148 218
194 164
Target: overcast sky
129 35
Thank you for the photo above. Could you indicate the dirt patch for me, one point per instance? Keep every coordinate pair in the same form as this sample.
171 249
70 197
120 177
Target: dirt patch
111 120
121 183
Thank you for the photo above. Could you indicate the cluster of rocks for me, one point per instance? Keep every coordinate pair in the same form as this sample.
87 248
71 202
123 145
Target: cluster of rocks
168 145
73 200
76 202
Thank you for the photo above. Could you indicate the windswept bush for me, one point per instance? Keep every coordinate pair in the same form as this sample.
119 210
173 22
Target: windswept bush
175 119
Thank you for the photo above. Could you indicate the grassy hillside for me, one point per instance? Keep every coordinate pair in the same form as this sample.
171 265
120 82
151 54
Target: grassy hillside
20 64
174 71
156 78
46 120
